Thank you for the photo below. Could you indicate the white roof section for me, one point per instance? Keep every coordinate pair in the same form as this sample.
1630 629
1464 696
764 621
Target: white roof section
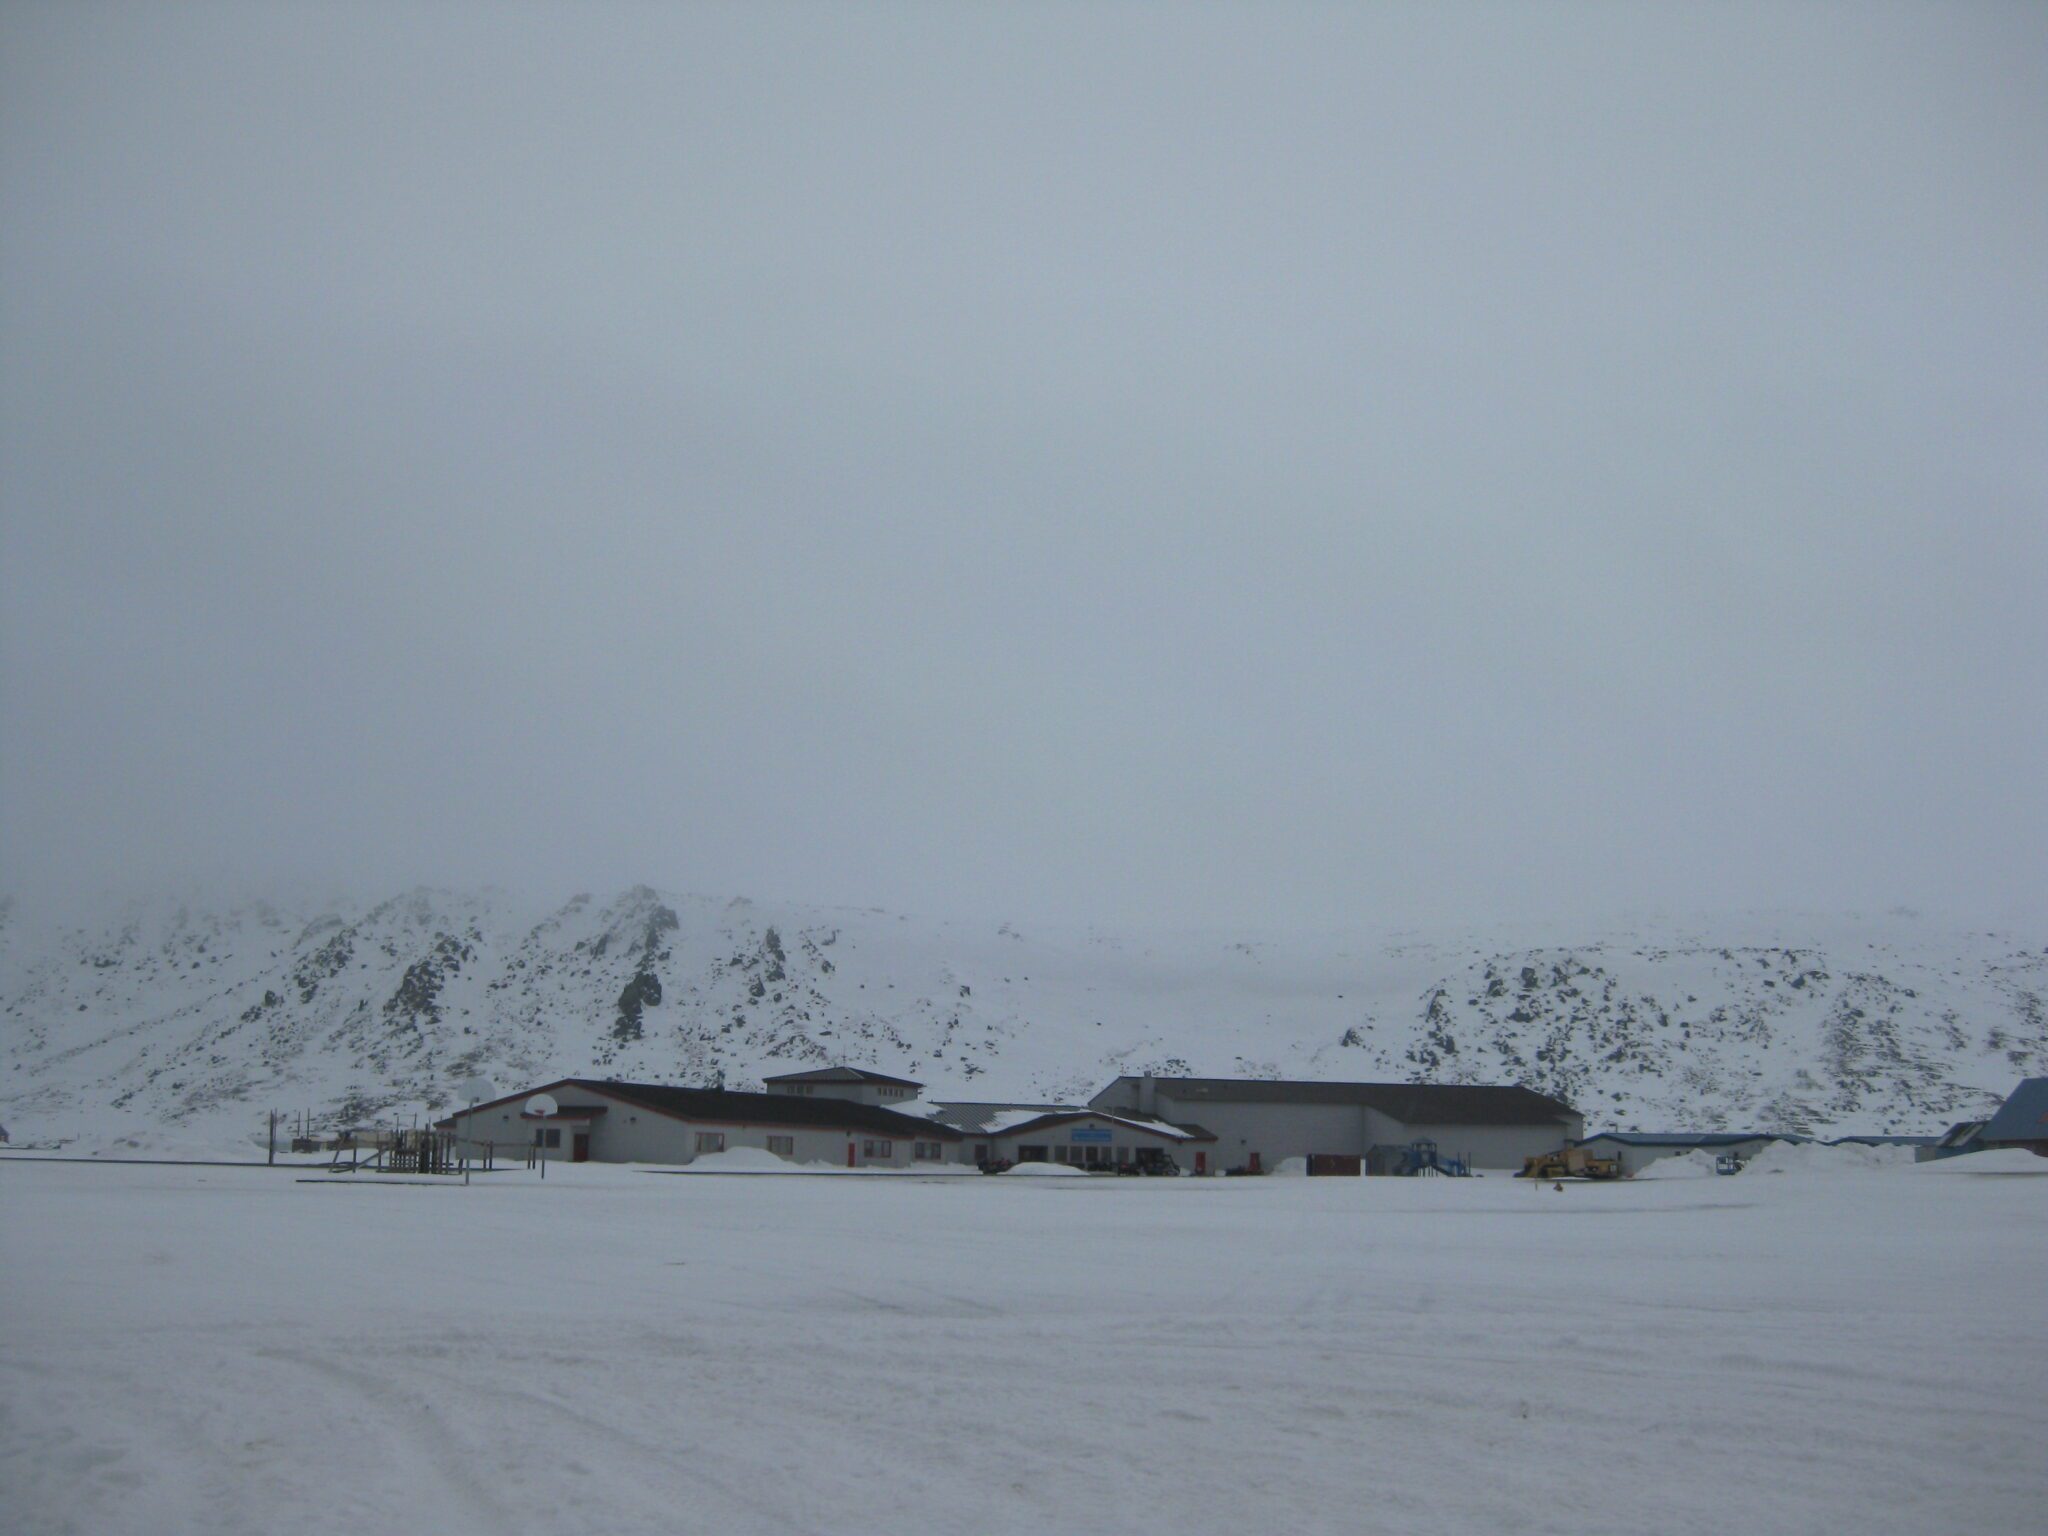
978 1119
1000 1119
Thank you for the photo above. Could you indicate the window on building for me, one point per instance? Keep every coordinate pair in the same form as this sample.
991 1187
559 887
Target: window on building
782 1146
711 1141
927 1151
981 1152
1031 1154
878 1149
543 1137
1059 1154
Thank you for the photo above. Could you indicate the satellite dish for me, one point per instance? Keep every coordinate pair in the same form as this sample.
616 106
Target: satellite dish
542 1105
477 1090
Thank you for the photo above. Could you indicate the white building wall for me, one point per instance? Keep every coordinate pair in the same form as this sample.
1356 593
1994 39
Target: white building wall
628 1133
1489 1147
509 1137
1274 1131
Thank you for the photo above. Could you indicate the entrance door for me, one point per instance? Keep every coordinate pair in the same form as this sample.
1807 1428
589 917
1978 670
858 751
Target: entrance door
849 1154
579 1147
1201 1162
1254 1163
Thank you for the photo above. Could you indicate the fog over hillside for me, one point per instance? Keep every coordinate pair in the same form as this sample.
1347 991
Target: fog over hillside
182 1022
1259 467
1367 490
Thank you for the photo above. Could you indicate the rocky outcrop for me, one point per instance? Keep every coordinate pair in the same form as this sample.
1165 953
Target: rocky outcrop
178 1012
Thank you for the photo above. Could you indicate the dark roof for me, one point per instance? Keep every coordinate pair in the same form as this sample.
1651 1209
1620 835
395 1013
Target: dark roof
1686 1138
1149 1123
842 1075
1410 1103
729 1107
1884 1141
2024 1116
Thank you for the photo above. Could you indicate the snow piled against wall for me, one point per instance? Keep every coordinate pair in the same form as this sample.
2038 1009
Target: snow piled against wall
1805 1158
1687 1165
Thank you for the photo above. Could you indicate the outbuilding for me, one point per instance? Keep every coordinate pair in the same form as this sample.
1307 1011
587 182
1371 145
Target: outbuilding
605 1122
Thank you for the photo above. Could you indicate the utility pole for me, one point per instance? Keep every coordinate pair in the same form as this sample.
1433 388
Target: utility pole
273 1138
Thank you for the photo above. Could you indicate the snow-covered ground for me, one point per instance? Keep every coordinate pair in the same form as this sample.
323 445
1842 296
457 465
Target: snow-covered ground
230 1350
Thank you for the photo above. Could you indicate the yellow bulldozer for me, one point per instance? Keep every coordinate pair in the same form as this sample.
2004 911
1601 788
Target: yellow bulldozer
1571 1163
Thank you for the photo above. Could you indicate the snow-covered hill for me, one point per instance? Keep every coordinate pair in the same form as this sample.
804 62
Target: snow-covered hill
182 1023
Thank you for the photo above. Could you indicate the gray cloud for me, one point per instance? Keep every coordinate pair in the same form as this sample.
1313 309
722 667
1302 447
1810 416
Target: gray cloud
1289 463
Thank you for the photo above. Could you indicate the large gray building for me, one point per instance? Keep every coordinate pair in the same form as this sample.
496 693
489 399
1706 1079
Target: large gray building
1258 1122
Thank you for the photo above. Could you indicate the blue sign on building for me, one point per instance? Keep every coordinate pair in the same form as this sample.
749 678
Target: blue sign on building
1094 1133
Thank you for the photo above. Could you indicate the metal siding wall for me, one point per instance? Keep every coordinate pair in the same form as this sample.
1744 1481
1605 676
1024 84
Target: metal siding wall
1490 1148
1117 1095
1274 1131
1277 1131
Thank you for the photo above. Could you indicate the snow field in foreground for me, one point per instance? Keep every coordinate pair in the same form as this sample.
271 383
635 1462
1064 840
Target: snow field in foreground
230 1350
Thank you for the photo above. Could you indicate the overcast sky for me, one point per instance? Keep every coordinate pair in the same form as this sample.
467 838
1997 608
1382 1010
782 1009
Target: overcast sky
1281 464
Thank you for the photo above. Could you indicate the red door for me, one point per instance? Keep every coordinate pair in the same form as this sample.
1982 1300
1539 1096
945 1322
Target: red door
579 1147
849 1154
1201 1162
1254 1163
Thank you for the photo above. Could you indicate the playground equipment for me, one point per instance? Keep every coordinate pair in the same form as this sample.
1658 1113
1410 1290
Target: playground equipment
403 1151
1420 1158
